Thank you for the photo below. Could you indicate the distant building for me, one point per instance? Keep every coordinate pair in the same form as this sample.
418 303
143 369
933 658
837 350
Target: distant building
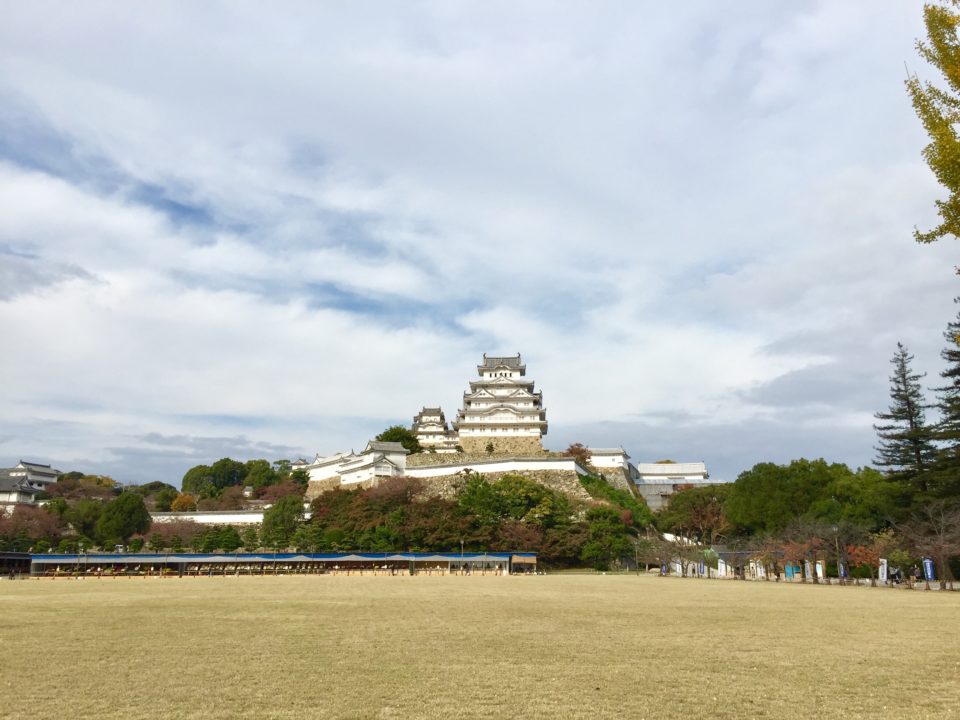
609 458
502 410
656 482
433 433
498 430
39 476
378 460
15 490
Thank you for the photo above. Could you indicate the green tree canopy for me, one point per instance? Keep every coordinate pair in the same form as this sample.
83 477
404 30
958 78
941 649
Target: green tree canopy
198 481
608 539
83 516
207 481
121 518
163 499
280 521
260 473
697 513
768 497
938 108
402 435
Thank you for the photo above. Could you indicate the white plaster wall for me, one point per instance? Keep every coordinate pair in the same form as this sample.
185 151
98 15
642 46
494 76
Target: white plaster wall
671 470
324 471
351 477
497 466
250 517
608 461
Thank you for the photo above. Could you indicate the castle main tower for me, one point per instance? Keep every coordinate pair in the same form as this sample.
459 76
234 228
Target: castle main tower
502 411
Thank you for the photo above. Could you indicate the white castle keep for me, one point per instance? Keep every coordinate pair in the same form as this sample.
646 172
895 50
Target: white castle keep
501 414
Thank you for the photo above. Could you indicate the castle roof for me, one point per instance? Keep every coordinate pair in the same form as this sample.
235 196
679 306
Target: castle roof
386 447
495 361
37 468
15 483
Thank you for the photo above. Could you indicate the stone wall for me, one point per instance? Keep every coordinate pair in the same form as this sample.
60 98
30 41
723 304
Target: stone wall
316 488
502 445
564 481
429 459
618 478
446 486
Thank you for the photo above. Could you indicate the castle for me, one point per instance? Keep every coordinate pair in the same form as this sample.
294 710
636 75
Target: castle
498 430
501 414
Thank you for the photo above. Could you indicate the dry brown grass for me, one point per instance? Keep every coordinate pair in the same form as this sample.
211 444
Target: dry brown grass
552 647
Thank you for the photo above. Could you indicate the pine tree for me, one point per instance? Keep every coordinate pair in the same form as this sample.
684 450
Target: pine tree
947 431
906 449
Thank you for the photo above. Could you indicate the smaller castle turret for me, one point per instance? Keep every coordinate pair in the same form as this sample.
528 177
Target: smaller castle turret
433 433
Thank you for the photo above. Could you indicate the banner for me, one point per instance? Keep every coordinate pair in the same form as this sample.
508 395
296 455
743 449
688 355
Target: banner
820 573
808 569
883 570
928 572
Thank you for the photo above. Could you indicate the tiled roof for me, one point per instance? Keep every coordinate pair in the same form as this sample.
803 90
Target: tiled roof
10 483
498 361
380 446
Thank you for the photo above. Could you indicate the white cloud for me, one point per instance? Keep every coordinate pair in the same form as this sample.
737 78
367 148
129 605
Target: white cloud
225 224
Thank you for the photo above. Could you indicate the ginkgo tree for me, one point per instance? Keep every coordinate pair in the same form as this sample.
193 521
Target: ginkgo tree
938 107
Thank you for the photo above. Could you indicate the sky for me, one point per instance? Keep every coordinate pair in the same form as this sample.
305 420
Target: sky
228 229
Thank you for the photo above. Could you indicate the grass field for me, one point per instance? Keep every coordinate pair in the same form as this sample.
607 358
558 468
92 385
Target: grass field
574 646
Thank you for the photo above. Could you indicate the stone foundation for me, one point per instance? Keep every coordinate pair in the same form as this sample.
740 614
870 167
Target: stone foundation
447 486
428 459
502 445
316 488
563 481
619 479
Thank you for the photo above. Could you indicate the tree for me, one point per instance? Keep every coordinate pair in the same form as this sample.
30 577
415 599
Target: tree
151 488
164 499
184 502
29 524
934 531
226 472
402 435
598 488
205 481
580 453
271 493
260 473
121 518
280 521
768 497
251 539
906 447
83 516
478 498
607 538
198 481
939 110
696 512
947 431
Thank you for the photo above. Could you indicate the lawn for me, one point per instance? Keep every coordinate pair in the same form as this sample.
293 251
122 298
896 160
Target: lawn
564 646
